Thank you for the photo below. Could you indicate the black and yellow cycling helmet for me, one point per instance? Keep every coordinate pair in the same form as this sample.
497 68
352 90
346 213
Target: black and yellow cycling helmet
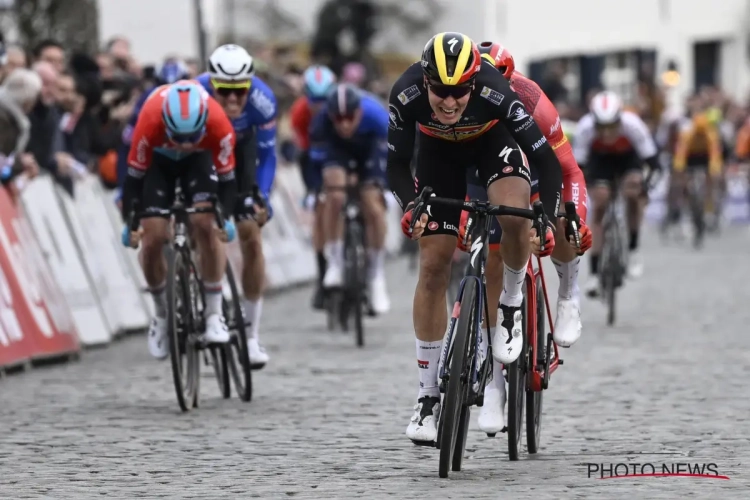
451 59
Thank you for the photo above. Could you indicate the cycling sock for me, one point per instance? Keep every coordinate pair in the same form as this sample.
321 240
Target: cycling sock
252 309
512 283
484 342
594 262
568 274
213 297
428 357
321 265
333 251
160 300
633 240
377 261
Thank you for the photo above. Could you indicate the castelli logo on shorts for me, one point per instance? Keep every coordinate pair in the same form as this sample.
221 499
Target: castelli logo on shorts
508 169
432 226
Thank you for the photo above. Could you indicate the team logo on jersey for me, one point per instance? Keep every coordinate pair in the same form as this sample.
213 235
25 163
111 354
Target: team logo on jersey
263 104
394 118
517 112
491 95
409 94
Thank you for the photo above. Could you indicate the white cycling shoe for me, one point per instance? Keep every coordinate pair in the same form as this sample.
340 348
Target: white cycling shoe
216 330
492 413
635 265
158 341
507 342
334 276
593 287
567 322
422 427
379 299
257 355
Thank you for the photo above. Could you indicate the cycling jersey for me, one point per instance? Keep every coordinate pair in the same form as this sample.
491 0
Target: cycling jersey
493 106
742 146
698 144
258 117
364 153
150 137
300 117
634 136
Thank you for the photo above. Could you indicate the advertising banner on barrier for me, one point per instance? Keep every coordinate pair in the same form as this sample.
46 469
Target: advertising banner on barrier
38 309
43 210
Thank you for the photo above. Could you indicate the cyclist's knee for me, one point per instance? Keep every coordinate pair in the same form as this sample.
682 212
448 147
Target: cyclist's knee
435 255
250 238
203 225
154 236
372 204
514 227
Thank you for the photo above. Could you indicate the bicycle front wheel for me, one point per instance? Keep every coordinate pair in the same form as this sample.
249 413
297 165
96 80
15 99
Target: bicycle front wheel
459 377
184 356
356 267
517 375
534 398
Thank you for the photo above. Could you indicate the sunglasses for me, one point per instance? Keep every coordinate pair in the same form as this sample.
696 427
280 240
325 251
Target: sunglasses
193 138
445 91
227 89
343 118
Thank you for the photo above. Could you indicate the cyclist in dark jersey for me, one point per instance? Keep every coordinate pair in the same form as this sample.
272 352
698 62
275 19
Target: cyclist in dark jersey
467 116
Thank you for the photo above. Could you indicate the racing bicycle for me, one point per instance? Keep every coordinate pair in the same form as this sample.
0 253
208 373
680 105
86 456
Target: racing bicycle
613 261
185 305
350 302
463 374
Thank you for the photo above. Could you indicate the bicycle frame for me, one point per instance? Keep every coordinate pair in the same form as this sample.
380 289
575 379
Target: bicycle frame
539 375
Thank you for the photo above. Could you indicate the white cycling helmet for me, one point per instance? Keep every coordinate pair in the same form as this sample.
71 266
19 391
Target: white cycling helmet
606 107
231 62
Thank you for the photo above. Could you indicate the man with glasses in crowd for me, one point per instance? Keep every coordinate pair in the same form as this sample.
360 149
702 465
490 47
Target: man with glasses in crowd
251 106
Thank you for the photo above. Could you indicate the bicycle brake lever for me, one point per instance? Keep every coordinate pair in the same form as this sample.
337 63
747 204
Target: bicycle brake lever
540 224
574 222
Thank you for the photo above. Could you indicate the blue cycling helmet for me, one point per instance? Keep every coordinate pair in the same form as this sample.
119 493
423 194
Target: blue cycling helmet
344 101
185 111
172 70
318 82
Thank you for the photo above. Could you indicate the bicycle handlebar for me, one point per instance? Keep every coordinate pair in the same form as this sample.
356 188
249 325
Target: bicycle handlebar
136 216
535 214
573 224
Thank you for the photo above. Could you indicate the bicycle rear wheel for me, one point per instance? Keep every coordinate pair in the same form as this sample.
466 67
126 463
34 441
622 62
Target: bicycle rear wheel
697 193
355 279
236 350
454 402
517 374
184 356
534 398
612 269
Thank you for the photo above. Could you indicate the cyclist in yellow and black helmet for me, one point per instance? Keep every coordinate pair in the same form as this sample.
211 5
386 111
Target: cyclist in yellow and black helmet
467 116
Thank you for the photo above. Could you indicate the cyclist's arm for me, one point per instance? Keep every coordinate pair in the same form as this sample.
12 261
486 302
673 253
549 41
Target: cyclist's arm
221 142
139 158
266 137
715 152
532 141
681 148
640 137
742 146
401 134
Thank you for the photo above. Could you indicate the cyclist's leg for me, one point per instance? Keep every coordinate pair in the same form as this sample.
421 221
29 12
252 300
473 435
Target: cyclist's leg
567 262
440 165
314 184
251 246
334 181
199 183
508 182
601 174
159 179
372 179
631 171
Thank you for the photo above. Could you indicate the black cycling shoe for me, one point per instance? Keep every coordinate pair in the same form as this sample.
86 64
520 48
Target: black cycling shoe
319 298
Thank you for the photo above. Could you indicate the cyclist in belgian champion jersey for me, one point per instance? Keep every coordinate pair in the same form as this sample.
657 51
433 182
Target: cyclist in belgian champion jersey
468 116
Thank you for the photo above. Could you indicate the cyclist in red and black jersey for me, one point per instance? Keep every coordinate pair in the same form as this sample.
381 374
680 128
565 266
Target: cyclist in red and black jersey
468 117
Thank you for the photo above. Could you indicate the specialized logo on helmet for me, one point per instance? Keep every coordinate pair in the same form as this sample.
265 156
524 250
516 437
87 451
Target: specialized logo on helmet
452 44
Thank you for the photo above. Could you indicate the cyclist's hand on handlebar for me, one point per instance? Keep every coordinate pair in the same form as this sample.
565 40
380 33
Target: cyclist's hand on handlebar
586 238
131 239
549 242
406 223
228 232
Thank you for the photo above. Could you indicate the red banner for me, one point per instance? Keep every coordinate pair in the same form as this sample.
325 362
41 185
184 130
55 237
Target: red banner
38 306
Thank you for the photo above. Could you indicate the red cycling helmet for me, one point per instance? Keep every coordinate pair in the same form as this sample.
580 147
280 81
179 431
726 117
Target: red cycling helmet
499 56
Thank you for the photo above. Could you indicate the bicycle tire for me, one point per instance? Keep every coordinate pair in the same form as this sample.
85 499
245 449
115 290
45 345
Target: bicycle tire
696 191
221 370
611 274
236 350
517 372
458 382
534 398
179 323
354 257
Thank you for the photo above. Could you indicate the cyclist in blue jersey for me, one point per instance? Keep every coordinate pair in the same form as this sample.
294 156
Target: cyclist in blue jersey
348 140
251 106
